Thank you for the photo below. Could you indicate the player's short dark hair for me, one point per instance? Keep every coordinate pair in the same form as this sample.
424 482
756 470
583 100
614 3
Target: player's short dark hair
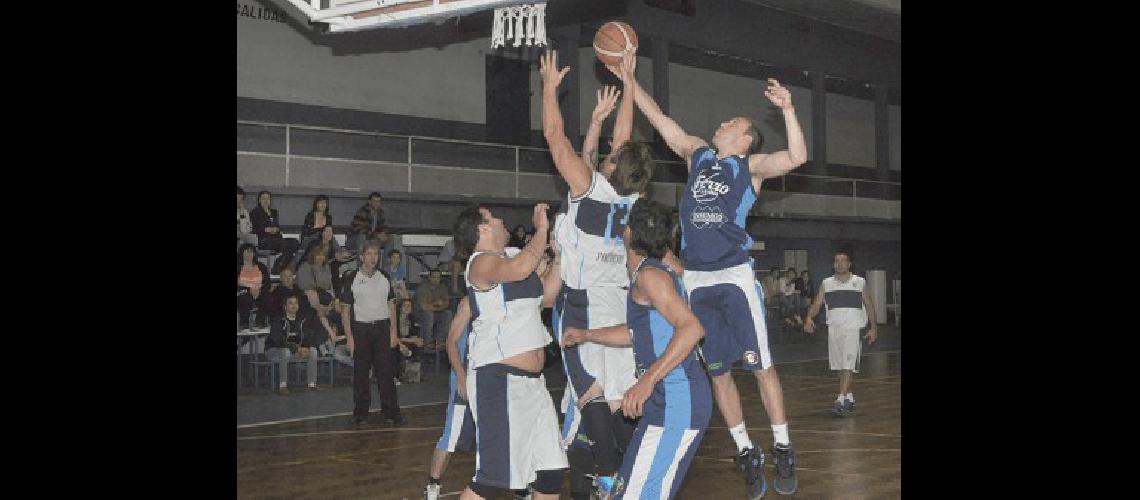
650 228
633 168
465 231
757 137
843 252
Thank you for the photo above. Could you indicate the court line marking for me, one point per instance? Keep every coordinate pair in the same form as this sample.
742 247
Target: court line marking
814 431
301 419
323 433
341 457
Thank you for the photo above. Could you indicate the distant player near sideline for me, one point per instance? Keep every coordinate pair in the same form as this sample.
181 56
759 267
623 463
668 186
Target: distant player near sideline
459 425
849 307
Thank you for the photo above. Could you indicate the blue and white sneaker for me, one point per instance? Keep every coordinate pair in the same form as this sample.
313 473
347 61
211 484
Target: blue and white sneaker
751 462
839 408
785 482
849 406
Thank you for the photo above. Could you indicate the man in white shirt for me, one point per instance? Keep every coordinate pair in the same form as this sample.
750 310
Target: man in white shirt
849 307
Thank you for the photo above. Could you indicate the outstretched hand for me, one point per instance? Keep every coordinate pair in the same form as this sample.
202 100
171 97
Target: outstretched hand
778 94
607 101
548 68
627 68
541 223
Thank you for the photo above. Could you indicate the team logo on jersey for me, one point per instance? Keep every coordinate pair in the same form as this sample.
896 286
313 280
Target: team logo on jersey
751 357
708 186
707 216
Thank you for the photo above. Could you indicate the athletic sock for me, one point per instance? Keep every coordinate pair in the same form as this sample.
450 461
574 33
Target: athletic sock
780 434
740 436
850 397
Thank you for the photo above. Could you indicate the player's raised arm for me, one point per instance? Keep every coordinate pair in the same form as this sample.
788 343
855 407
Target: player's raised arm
678 140
572 167
490 270
766 165
607 100
623 127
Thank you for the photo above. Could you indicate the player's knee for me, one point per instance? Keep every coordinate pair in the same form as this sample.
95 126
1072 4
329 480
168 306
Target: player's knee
548 482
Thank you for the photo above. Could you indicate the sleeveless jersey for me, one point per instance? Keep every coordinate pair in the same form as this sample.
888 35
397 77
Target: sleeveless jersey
713 209
505 318
651 333
845 302
589 236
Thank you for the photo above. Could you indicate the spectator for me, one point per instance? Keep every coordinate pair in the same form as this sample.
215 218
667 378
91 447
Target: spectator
315 279
368 223
790 299
772 288
317 218
252 279
244 223
408 331
518 235
435 314
335 255
807 290
398 271
275 299
292 335
267 227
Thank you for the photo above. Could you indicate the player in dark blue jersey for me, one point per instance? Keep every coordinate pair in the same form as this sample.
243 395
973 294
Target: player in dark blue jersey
672 395
723 184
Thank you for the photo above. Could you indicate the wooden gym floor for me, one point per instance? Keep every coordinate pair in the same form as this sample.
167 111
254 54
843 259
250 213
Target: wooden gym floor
853 457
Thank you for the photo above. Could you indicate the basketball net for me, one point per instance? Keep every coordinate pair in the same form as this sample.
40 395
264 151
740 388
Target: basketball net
523 23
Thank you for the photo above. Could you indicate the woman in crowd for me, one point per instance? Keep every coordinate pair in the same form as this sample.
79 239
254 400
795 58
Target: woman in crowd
252 282
518 234
267 227
335 255
408 330
315 278
315 221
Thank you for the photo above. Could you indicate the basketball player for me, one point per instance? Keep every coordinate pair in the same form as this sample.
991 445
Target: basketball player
459 425
849 307
672 394
593 271
516 426
724 181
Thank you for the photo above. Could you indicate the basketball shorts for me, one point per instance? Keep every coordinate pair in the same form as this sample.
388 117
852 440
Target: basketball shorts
843 348
516 428
729 303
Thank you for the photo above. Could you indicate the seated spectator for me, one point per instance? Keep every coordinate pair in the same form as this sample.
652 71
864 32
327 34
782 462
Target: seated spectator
244 223
807 290
518 237
267 227
335 255
408 330
275 300
314 278
397 272
433 304
293 335
790 299
316 220
772 288
368 223
252 280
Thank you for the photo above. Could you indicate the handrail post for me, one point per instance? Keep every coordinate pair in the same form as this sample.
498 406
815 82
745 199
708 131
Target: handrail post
287 154
516 172
409 163
855 196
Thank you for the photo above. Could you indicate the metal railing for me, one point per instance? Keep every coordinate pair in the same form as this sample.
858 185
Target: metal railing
438 152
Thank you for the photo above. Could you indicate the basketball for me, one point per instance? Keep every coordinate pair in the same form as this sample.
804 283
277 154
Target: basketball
612 40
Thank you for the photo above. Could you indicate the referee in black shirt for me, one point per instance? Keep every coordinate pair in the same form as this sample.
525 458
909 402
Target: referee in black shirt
367 318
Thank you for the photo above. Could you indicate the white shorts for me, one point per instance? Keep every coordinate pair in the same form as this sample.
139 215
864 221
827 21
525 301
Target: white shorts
843 348
612 367
516 427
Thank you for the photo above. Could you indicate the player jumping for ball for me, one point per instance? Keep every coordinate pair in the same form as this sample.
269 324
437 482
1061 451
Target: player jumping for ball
723 184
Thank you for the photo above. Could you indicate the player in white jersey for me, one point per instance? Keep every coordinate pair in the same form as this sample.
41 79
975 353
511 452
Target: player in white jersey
516 426
849 307
595 281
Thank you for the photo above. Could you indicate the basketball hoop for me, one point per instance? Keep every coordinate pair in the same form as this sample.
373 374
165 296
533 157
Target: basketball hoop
523 23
